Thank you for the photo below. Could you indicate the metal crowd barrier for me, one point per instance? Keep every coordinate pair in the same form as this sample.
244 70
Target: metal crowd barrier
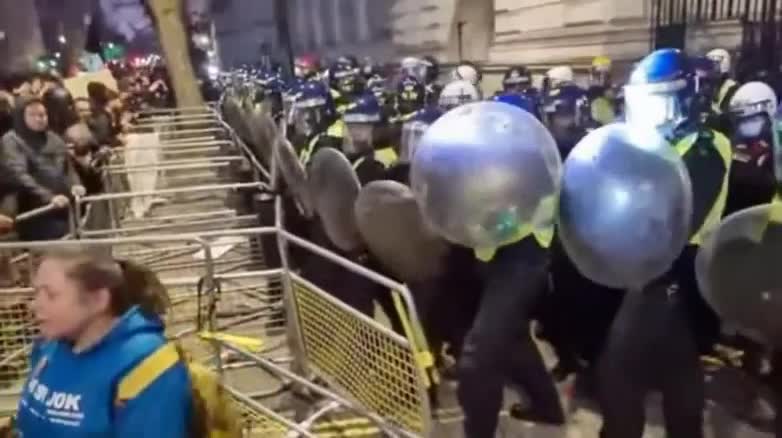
296 360
195 178
350 362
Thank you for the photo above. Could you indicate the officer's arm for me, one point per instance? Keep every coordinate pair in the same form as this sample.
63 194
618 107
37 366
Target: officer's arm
162 409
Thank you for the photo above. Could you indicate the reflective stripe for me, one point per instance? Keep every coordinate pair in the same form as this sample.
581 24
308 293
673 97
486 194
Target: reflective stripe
776 210
337 129
602 111
145 373
713 218
402 118
387 156
718 102
306 153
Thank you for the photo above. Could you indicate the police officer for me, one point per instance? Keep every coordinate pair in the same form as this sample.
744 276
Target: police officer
666 325
708 76
752 110
316 121
518 80
726 87
566 114
523 101
558 76
377 84
599 94
414 128
470 72
410 97
366 143
346 82
426 70
306 67
269 93
457 93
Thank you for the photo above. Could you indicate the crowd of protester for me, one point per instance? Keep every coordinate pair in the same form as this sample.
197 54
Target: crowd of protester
53 144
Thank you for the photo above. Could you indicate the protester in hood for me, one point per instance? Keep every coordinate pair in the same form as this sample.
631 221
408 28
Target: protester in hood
34 162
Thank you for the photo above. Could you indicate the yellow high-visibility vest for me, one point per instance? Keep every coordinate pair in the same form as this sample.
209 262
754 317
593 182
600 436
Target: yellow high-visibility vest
719 99
336 130
713 218
541 227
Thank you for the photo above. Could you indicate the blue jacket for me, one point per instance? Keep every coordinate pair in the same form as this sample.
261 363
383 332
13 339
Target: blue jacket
71 395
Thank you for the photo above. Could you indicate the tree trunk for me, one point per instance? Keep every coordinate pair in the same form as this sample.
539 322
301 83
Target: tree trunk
173 38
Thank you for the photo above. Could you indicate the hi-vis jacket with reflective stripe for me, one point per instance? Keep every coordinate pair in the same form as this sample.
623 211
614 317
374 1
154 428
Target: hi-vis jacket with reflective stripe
332 137
541 227
708 157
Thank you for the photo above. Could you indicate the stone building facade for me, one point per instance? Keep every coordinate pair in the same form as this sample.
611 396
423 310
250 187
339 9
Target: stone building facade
492 31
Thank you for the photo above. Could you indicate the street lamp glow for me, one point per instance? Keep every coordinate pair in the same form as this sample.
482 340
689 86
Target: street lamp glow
62 39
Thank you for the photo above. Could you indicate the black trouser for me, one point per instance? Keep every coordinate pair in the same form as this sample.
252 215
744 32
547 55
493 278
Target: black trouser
775 380
499 350
651 346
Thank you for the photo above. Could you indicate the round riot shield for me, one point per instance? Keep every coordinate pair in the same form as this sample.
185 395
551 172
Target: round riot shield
625 206
294 175
395 233
484 173
234 117
334 187
739 273
412 132
263 132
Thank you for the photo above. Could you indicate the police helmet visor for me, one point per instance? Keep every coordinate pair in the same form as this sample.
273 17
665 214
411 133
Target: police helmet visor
750 109
377 85
347 84
751 126
418 71
287 108
652 108
412 132
516 81
452 101
307 119
359 137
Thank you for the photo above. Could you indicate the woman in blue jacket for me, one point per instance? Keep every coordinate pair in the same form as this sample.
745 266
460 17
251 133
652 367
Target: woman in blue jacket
99 319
